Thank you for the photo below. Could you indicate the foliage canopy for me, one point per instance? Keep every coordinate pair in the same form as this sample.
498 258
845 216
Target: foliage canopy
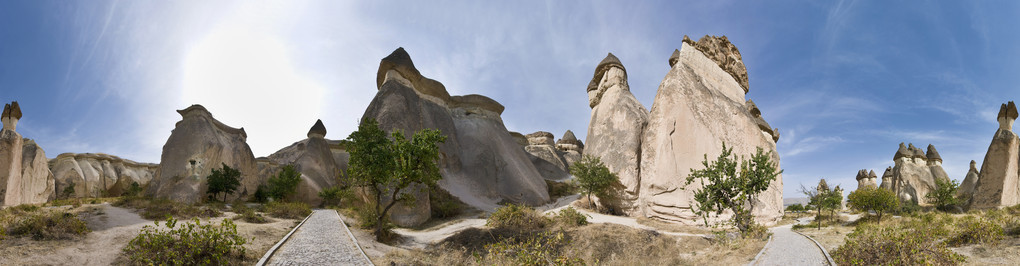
725 187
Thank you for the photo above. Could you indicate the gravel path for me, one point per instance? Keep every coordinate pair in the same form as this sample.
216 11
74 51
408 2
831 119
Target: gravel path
790 248
322 240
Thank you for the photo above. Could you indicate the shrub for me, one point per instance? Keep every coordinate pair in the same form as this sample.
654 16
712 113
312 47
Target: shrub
134 190
284 184
261 194
560 189
224 180
287 210
516 217
537 250
248 214
973 230
190 244
334 196
879 200
68 191
944 196
723 189
164 208
908 208
593 177
444 205
49 226
571 217
912 244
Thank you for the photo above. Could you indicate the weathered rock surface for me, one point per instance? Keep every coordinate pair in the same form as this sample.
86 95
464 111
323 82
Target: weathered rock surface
698 107
887 178
998 184
314 159
11 115
24 176
548 160
480 162
615 129
570 148
912 175
98 175
966 190
198 144
724 53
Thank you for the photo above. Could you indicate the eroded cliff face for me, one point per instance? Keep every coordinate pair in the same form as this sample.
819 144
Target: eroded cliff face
198 144
480 161
24 176
698 107
312 157
998 184
98 175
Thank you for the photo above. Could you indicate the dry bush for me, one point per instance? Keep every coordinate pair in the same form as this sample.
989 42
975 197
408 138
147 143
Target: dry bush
288 210
971 230
910 243
570 217
191 243
248 214
150 208
517 217
47 225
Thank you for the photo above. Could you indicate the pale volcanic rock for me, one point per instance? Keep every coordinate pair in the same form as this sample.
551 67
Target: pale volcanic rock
548 160
570 148
480 162
615 129
998 184
10 166
520 138
865 179
697 108
11 115
723 53
37 185
313 158
966 190
914 173
24 175
887 178
198 144
98 175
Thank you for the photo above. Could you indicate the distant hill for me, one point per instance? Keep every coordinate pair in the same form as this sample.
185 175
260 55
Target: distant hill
791 201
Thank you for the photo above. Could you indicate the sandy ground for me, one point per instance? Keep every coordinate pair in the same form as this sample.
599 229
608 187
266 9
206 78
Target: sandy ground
112 229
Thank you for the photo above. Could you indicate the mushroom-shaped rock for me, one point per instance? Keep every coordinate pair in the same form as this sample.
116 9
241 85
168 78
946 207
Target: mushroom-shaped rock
540 138
595 91
318 130
902 152
872 175
888 178
861 174
915 152
569 139
520 138
1007 115
475 101
11 115
933 154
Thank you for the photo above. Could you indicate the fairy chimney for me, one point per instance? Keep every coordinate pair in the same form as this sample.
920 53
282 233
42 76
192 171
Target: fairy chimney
11 115
318 130
1007 114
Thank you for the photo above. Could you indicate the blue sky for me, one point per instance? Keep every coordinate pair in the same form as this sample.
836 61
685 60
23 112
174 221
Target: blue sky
844 81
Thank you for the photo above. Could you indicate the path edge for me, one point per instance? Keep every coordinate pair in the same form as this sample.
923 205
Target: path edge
354 239
265 258
755 260
827 257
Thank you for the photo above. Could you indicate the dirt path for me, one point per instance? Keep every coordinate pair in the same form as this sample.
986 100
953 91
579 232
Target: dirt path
112 228
790 248
321 240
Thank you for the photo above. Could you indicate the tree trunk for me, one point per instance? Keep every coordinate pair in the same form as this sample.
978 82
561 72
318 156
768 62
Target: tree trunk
590 204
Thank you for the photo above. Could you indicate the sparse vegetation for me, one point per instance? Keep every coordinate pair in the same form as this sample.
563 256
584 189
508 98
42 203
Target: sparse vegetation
908 244
68 191
162 208
971 230
192 243
444 205
284 184
391 166
593 177
134 190
334 196
287 210
725 187
823 198
570 217
517 217
559 189
224 180
248 214
795 208
28 220
878 200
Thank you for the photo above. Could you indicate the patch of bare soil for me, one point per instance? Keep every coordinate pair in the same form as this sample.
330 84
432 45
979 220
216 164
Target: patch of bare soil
112 229
1006 252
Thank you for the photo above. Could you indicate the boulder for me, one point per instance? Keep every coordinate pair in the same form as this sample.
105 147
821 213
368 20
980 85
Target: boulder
615 129
997 185
699 106
98 175
314 159
198 144
966 190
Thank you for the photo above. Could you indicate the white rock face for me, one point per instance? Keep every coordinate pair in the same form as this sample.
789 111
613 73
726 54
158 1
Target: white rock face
314 159
966 189
548 160
998 184
697 108
914 173
24 176
614 133
99 175
198 144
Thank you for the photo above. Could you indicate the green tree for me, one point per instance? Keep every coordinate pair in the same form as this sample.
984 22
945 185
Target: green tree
388 166
944 196
593 176
224 181
284 184
823 198
878 200
795 208
725 187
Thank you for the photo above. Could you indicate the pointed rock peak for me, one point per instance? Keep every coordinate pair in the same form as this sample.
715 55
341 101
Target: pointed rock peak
600 70
318 130
872 174
902 152
12 110
1007 110
933 154
569 136
915 151
400 61
194 109
675 57
973 165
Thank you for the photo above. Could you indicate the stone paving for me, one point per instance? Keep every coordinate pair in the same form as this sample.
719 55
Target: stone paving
321 240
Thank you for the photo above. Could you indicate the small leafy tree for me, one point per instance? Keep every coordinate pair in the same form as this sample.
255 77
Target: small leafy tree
68 191
284 184
878 200
224 181
725 187
944 196
593 176
822 198
390 166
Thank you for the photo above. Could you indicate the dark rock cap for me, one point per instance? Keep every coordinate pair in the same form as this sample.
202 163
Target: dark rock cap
318 128
753 108
12 110
600 70
400 61
861 174
1007 110
933 154
569 136
973 165
902 152
480 101
725 54
675 57
540 134
917 152
872 174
